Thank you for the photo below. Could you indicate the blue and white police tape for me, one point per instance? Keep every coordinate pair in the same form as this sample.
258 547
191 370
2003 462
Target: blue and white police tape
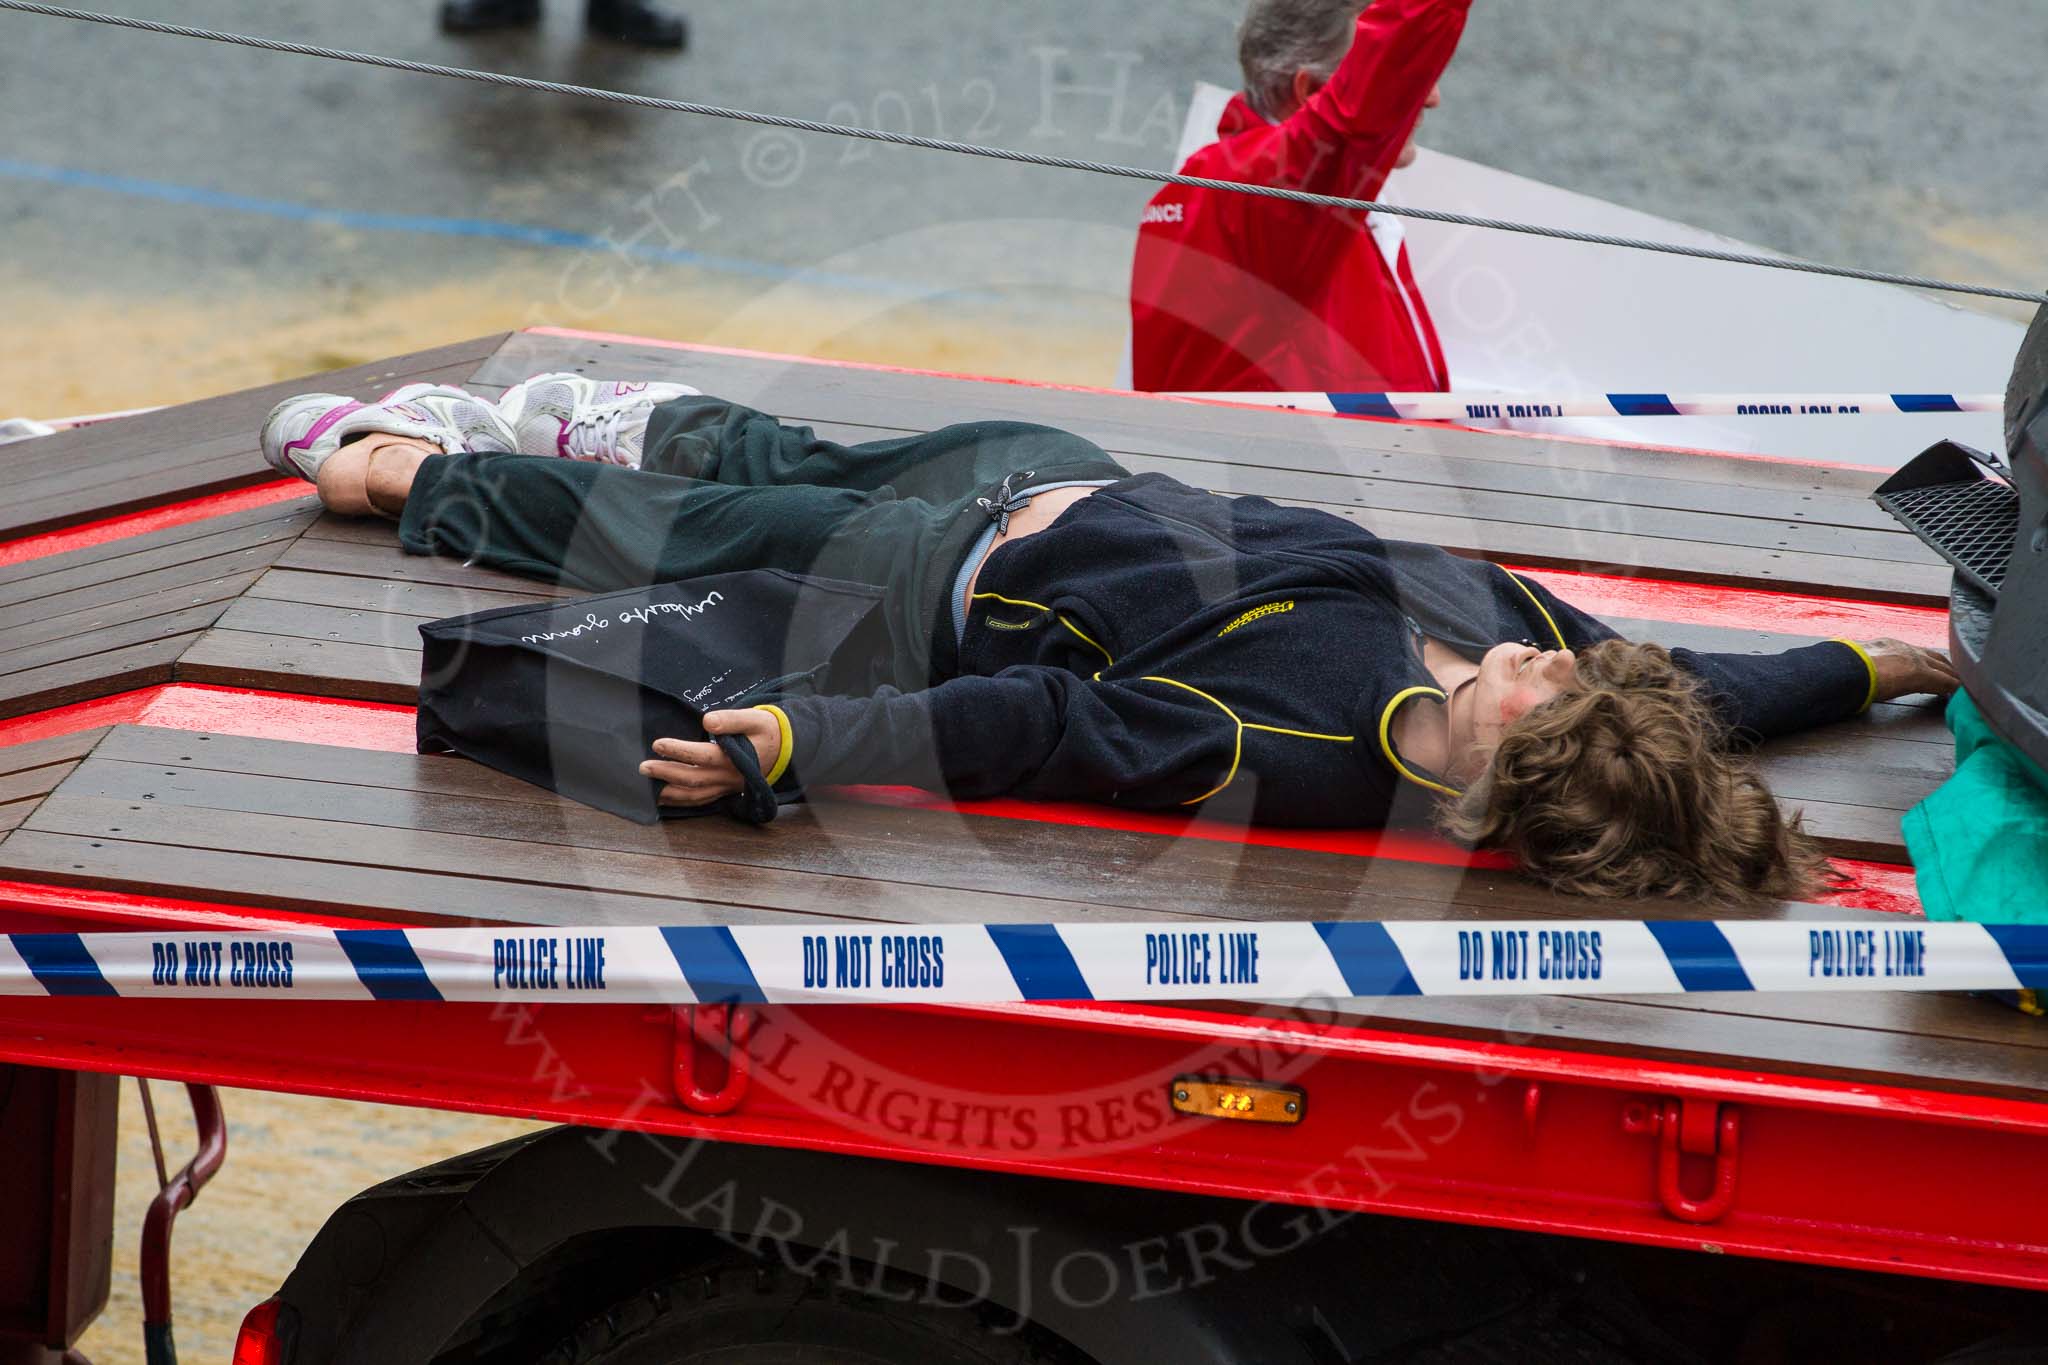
1476 406
977 963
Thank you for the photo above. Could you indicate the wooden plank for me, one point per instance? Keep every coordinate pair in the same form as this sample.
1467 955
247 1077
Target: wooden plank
211 466
1562 510
212 595
397 632
1893 1055
908 851
193 448
37 753
199 577
424 774
1584 531
428 600
32 770
356 530
1585 548
1851 831
917 858
1182 451
368 593
802 391
54 593
1048 859
1922 1014
106 639
1887 732
172 535
1574 529
1796 778
234 658
35 782
307 855
315 887
377 562
101 675
1613 552
260 820
143 441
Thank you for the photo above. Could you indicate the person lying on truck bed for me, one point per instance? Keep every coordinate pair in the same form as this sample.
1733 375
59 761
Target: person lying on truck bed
1064 629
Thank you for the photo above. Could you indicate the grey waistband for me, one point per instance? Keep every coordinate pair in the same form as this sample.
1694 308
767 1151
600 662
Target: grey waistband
979 550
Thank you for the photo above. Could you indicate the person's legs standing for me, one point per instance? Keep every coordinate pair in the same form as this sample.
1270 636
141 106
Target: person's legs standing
629 21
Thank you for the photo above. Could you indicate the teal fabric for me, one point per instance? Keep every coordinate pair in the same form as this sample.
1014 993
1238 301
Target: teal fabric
1979 843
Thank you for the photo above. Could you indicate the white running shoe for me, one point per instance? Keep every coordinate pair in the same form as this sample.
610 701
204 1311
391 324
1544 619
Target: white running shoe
302 432
584 419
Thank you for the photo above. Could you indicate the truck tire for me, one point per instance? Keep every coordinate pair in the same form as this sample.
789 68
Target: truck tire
741 1312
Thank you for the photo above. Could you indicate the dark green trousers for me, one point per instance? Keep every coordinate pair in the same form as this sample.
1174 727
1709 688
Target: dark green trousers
726 488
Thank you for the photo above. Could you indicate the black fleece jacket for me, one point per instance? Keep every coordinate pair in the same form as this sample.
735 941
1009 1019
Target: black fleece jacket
1160 647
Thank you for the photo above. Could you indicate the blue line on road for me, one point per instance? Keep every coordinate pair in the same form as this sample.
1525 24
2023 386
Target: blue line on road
522 234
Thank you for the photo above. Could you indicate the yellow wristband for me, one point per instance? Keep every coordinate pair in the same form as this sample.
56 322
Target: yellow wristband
788 749
1870 697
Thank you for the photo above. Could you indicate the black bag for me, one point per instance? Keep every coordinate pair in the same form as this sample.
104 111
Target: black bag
571 695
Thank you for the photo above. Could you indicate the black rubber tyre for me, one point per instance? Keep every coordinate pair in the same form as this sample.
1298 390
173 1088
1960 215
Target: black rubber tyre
742 1313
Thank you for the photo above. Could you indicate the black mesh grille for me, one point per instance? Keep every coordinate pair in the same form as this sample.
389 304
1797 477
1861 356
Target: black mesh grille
1972 524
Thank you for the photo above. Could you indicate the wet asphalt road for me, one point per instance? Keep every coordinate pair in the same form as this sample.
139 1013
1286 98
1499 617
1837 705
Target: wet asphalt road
168 205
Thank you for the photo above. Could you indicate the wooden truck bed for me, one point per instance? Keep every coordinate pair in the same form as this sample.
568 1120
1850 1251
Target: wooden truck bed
1693 548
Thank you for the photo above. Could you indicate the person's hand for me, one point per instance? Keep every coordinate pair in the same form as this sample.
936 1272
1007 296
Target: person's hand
1905 670
697 772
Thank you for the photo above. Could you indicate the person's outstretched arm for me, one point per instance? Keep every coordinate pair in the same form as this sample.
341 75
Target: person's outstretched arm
1764 695
1027 731
1345 138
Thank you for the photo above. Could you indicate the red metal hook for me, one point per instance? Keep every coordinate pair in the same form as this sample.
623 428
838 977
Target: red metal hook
1719 1138
704 1033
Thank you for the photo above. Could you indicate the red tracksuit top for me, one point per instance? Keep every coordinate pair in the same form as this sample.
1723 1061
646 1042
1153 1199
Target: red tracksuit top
1232 292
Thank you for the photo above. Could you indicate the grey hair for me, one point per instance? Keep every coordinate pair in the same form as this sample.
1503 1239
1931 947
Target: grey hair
1280 37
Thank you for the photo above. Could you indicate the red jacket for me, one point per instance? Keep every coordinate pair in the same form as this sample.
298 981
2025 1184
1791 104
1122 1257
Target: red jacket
1232 292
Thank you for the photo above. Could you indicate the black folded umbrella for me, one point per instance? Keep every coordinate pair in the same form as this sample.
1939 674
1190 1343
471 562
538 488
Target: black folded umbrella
571 695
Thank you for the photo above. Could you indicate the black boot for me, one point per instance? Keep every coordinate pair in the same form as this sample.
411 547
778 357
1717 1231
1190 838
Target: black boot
636 21
475 16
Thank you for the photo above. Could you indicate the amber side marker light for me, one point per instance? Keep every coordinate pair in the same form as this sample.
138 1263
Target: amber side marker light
1246 1101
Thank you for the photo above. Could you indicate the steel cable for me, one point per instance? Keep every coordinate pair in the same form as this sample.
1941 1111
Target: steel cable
1024 158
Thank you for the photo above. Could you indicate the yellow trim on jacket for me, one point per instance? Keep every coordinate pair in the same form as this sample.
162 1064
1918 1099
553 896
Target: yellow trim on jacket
788 750
1057 616
1301 734
1870 697
1387 742
1008 601
1237 750
1548 619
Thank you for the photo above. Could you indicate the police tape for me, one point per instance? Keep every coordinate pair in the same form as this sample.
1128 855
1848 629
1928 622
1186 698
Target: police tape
1488 406
995 963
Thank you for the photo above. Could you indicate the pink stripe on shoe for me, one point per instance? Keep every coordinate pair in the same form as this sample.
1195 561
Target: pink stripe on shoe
320 428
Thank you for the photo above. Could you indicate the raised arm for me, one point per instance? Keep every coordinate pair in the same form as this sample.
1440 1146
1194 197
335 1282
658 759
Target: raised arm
1345 138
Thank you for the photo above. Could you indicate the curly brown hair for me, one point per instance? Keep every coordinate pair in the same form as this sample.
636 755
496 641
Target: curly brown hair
1626 786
